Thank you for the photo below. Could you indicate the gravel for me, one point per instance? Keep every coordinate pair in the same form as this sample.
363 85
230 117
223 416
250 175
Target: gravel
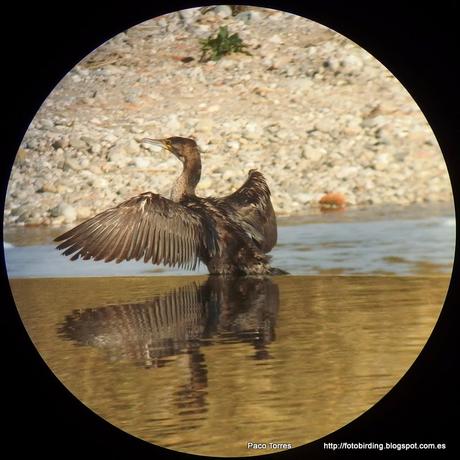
310 109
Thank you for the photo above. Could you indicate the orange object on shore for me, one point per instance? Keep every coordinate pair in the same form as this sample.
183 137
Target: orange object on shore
333 200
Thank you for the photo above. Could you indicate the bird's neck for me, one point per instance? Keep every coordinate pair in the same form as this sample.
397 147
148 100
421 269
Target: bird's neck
186 183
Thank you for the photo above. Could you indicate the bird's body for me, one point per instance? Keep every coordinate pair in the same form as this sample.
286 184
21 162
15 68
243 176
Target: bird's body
230 235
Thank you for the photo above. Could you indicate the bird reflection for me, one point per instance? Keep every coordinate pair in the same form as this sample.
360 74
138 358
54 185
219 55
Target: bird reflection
181 322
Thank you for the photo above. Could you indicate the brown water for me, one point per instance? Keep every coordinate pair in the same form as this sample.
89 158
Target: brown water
207 365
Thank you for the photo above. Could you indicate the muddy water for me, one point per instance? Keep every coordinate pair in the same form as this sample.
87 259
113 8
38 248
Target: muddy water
205 365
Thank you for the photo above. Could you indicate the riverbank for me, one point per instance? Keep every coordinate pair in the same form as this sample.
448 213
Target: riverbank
310 109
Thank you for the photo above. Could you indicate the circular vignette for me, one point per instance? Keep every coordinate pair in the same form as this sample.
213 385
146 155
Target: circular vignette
421 103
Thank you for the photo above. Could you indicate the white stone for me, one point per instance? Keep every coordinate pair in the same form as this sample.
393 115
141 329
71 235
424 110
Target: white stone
347 172
95 169
189 15
312 153
234 144
71 163
375 122
96 148
275 39
142 162
351 64
111 138
324 125
99 182
173 123
205 125
68 212
77 143
300 84
304 197
83 212
132 147
213 108
224 11
84 163
252 130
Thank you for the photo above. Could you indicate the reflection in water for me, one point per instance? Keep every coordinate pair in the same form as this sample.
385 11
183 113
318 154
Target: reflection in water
216 378
181 322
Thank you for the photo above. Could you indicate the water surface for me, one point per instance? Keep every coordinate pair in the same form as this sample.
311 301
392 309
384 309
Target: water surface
415 240
205 365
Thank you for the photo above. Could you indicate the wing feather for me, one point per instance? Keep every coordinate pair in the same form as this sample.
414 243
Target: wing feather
147 226
253 209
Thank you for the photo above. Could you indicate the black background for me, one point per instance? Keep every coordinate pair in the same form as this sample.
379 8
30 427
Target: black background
42 42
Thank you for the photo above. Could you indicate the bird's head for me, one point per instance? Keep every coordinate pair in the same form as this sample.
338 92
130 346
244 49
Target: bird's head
181 147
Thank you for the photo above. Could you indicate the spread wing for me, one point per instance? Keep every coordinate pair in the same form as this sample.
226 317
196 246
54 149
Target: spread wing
147 226
252 207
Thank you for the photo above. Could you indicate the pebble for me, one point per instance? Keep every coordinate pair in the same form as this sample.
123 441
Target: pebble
99 182
324 125
300 85
68 212
71 164
77 143
381 161
84 212
247 17
48 187
312 153
142 162
173 123
47 123
275 39
374 122
96 148
351 64
234 144
347 172
252 130
224 11
205 125
21 156
110 137
60 143
132 147
213 108
95 169
118 155
305 197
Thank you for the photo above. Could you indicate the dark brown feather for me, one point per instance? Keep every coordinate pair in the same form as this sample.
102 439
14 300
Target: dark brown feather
252 208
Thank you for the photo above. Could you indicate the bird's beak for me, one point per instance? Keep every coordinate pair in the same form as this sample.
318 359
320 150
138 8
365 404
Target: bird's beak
157 142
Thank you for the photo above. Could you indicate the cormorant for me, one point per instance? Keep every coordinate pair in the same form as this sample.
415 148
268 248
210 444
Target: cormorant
230 235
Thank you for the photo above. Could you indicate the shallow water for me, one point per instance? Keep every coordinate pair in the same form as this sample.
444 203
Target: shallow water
205 365
401 241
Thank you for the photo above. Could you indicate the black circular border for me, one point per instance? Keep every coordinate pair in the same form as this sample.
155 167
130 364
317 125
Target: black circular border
42 42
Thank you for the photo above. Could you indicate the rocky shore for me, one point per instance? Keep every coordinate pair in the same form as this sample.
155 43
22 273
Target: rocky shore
313 111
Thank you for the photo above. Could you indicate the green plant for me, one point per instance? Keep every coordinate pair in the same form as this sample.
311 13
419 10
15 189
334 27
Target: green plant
212 49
